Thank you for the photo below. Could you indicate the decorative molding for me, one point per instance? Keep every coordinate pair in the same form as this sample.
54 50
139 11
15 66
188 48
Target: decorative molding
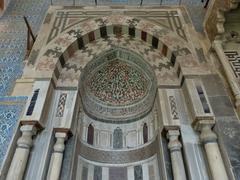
234 60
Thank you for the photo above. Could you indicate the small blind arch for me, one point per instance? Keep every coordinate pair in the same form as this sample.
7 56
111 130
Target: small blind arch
145 133
90 135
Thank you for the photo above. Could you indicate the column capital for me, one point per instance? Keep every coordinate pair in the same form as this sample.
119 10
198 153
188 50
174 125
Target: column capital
174 144
61 135
29 127
202 122
205 128
59 146
25 141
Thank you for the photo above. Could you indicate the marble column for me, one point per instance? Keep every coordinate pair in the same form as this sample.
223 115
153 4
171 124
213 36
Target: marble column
175 146
215 161
20 158
217 45
57 156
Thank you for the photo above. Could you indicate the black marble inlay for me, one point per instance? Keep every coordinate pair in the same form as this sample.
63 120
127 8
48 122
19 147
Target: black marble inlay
62 60
97 173
155 42
117 138
203 99
131 31
56 72
103 32
32 102
178 71
182 81
80 42
138 174
173 59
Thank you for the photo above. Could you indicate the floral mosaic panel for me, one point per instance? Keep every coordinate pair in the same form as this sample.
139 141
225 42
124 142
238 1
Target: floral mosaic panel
118 83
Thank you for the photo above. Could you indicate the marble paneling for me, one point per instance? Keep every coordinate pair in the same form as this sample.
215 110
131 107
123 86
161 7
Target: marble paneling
151 172
221 106
118 173
227 129
68 157
167 159
213 85
44 138
195 160
85 173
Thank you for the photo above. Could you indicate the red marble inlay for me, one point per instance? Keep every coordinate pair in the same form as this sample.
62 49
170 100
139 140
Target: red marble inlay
144 36
164 50
91 36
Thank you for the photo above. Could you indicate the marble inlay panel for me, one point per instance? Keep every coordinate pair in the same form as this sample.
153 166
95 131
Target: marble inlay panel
151 172
85 173
167 159
227 129
196 162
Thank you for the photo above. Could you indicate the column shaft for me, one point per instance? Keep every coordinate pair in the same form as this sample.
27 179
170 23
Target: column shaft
175 146
216 164
20 158
57 157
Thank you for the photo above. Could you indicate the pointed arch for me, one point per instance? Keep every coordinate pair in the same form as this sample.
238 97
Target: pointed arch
145 133
90 134
117 138
63 46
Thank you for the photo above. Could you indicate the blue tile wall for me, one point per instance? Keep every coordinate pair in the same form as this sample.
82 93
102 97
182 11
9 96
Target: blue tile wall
13 38
10 111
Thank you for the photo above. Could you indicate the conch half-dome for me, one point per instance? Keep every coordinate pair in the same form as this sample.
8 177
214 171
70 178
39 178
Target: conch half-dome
117 85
